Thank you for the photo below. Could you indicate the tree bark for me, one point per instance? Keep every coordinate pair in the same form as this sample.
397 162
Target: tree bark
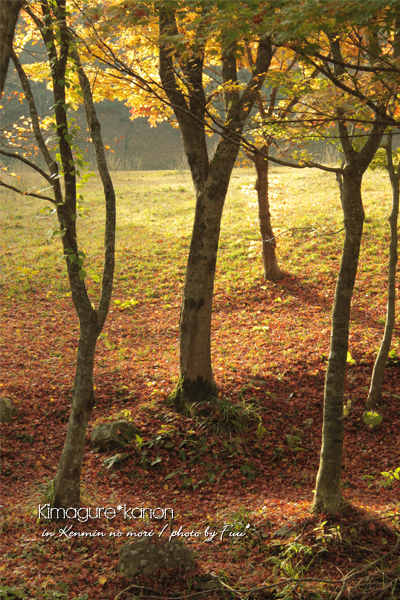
375 391
271 270
196 381
68 477
9 11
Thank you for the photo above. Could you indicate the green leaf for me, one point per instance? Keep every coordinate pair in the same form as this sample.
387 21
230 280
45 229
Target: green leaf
109 344
372 419
60 82
350 359
82 274
72 257
260 431
80 262
68 137
72 217
171 475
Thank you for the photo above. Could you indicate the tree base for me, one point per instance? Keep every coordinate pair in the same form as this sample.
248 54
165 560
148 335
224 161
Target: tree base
332 505
273 274
187 394
372 400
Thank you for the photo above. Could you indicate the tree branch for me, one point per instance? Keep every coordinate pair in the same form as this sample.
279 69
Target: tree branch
109 193
30 164
26 86
14 189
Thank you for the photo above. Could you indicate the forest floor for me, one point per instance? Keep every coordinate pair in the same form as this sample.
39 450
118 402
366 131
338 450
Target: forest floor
251 463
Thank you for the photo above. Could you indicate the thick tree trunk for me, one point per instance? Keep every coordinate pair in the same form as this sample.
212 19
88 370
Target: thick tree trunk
328 495
375 391
271 270
9 11
67 481
196 381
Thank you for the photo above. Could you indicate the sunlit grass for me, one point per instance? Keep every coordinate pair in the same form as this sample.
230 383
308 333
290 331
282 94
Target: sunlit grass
155 218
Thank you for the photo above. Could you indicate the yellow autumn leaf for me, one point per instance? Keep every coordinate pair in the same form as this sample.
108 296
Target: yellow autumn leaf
102 580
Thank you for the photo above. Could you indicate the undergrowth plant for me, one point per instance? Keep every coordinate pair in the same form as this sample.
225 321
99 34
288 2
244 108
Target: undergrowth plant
227 417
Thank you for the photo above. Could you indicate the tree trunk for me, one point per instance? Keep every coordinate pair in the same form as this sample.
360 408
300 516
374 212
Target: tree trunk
210 179
9 11
375 391
328 495
91 320
67 481
271 270
196 381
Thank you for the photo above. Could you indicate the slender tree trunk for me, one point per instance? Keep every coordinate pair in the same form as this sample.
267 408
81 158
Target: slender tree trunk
271 270
328 495
67 481
91 320
375 391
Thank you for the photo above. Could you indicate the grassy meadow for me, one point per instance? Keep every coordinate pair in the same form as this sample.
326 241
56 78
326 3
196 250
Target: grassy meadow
251 464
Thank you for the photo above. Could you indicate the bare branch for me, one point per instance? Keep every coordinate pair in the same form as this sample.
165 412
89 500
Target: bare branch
30 164
14 189
51 163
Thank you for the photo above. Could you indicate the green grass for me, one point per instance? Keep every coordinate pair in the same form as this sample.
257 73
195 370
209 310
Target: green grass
155 216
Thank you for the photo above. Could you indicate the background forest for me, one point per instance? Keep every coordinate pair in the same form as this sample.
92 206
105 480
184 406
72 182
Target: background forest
200 319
